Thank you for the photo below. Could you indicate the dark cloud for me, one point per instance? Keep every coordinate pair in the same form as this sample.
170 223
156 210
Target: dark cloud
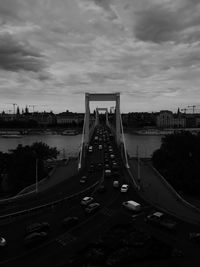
156 24
175 21
16 56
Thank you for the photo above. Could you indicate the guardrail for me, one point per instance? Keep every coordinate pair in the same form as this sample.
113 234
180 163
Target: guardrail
23 192
173 191
50 204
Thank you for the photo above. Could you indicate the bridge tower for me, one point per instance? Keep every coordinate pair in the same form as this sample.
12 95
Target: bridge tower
97 116
87 132
101 97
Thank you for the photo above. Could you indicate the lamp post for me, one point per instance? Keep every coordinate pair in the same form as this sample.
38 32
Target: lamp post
36 175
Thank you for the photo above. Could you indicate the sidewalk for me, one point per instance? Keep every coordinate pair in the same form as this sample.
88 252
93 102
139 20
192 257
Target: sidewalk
156 189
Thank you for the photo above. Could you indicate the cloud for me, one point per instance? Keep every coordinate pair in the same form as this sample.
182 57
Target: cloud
157 22
100 5
16 56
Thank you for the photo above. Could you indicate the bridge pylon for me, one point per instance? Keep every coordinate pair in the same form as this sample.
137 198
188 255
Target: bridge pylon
87 132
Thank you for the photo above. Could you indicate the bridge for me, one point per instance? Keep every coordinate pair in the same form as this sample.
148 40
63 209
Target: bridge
147 187
88 128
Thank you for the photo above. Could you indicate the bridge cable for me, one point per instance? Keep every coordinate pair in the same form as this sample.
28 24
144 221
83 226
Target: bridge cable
82 143
124 143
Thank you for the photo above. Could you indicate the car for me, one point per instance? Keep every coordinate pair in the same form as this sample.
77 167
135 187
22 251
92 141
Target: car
107 166
2 241
86 200
37 227
90 149
132 205
70 221
83 179
100 147
35 238
92 207
159 219
194 237
91 169
107 173
99 166
124 188
101 189
115 183
114 165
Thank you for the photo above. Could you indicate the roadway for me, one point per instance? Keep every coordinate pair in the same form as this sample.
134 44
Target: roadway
155 189
62 244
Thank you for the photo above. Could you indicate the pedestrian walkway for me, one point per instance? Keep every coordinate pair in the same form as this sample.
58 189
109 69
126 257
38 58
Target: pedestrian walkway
155 189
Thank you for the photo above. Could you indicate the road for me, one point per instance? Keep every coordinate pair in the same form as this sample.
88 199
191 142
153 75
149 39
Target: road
62 244
155 189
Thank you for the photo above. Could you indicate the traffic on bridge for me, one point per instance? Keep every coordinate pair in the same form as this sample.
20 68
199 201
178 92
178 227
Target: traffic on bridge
99 215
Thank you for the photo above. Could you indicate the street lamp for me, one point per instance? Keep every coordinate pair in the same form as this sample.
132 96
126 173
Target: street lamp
36 175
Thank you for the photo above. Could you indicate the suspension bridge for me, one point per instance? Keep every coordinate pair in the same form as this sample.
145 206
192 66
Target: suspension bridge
88 128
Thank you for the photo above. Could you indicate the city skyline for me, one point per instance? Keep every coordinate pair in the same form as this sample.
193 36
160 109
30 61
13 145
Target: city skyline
52 52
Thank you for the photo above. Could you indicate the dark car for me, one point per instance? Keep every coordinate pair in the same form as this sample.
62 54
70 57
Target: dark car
91 168
35 238
99 166
101 189
159 219
92 207
70 221
83 180
37 227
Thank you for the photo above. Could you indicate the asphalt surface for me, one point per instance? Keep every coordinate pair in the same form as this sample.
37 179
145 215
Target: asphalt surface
62 244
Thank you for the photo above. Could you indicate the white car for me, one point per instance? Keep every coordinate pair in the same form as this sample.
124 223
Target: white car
100 147
2 241
124 188
107 173
86 200
90 149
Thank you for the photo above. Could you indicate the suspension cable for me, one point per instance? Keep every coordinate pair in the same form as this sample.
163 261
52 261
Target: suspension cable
124 143
82 142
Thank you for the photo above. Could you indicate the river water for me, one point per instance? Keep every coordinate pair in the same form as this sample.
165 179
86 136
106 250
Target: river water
70 145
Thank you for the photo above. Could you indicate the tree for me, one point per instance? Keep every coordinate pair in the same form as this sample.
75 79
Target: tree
18 111
178 159
20 164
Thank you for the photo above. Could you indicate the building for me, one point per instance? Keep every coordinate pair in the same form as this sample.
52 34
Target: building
165 119
69 118
42 118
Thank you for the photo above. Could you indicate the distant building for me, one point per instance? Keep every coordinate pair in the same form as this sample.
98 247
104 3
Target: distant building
179 121
43 118
69 118
7 117
165 119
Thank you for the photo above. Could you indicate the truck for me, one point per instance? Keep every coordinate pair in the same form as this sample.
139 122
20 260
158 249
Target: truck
132 205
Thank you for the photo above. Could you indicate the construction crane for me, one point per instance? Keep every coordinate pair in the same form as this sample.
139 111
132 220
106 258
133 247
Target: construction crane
193 107
184 109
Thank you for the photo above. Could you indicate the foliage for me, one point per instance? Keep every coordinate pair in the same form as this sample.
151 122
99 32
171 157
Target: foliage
178 160
19 164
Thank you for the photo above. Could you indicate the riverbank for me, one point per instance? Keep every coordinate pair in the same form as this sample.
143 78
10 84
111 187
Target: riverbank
6 132
157 131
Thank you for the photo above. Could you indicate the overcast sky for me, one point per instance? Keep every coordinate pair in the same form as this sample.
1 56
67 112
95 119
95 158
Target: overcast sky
53 51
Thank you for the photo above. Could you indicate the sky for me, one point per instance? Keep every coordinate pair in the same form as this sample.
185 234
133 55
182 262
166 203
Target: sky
53 51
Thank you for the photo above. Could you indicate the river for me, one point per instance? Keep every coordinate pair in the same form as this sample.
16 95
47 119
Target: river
69 145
